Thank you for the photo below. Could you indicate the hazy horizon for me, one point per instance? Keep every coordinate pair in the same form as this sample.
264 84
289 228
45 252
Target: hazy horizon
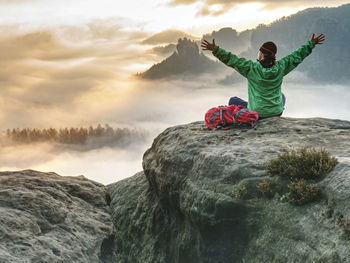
186 102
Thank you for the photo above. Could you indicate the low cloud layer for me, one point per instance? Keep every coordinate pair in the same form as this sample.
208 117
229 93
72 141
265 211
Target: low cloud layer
59 75
156 105
167 37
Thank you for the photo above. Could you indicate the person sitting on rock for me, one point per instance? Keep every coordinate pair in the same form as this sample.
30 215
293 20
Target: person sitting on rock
264 76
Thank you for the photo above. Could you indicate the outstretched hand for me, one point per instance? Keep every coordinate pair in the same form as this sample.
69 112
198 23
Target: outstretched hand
208 46
317 40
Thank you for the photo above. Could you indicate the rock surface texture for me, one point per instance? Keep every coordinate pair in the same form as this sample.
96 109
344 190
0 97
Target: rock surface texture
45 218
181 207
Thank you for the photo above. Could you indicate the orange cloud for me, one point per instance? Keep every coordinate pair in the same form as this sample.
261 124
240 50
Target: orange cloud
44 74
210 7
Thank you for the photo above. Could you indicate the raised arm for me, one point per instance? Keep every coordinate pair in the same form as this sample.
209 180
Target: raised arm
291 61
242 65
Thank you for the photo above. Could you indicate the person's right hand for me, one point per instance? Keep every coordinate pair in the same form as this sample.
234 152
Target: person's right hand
317 40
208 46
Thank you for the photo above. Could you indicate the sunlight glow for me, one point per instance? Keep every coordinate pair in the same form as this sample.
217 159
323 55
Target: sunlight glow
145 16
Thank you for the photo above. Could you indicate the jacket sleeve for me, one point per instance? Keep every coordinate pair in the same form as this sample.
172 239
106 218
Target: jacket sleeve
242 65
291 61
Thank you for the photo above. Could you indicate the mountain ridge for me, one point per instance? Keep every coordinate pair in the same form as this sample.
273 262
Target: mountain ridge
329 62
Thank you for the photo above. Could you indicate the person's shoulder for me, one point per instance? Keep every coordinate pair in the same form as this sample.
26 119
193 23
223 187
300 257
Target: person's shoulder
280 63
255 64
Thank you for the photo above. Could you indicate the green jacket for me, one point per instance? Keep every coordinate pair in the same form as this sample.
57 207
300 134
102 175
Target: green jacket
264 84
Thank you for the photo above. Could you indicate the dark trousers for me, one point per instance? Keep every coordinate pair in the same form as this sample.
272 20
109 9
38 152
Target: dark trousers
239 101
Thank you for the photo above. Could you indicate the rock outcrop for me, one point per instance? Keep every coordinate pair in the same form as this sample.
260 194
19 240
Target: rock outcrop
45 217
181 207
186 62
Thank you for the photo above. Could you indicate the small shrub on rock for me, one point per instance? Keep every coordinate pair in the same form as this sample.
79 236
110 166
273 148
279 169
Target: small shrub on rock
265 189
285 198
301 193
344 224
239 191
303 163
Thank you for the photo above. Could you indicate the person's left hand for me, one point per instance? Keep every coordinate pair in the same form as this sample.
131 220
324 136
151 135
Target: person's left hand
318 40
208 46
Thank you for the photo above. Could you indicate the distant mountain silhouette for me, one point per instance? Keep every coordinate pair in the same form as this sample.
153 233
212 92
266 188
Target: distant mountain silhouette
329 62
187 60
230 39
164 51
167 37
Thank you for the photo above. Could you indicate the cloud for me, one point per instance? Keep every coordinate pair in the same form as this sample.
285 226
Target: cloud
219 7
99 164
10 2
65 75
97 29
138 35
170 36
164 51
20 47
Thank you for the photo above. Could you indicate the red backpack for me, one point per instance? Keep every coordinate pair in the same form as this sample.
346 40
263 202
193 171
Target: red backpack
226 117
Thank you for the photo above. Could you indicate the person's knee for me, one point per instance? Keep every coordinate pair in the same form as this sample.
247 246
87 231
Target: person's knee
237 101
232 100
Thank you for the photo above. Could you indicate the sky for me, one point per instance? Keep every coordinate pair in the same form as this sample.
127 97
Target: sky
70 63
195 17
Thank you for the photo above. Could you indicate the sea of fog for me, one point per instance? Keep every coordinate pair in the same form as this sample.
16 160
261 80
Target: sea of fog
155 106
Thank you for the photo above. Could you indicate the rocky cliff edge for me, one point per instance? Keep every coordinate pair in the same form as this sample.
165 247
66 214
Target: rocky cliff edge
182 208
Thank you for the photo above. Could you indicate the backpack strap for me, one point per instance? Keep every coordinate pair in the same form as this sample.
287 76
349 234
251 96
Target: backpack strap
240 112
233 116
212 118
221 111
222 122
